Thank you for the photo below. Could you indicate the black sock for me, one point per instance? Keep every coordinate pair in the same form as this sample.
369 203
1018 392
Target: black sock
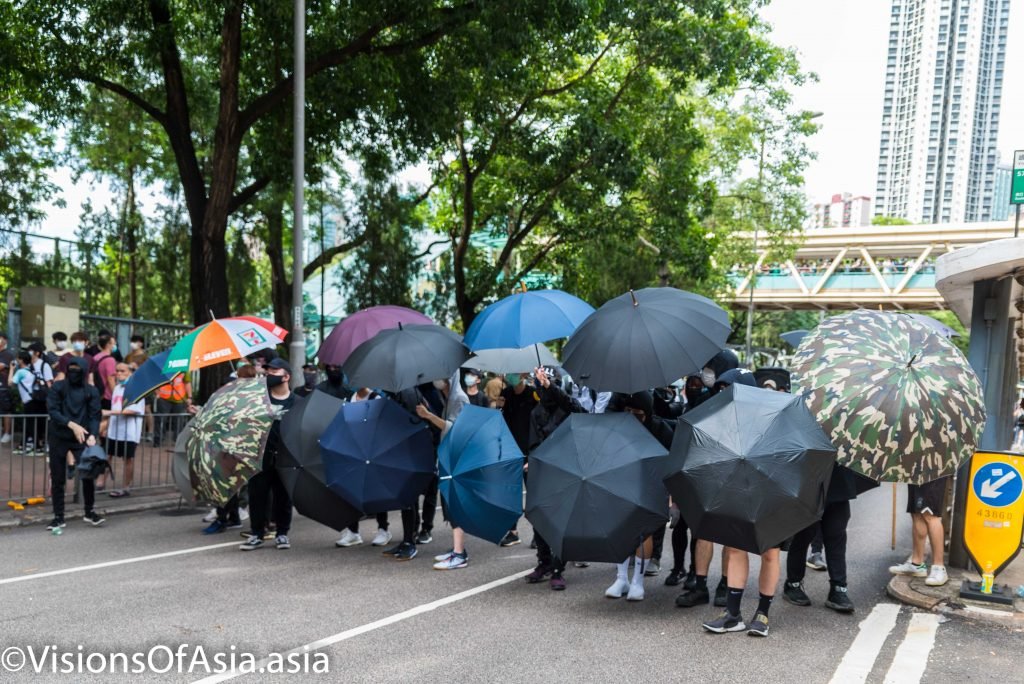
732 601
764 603
702 582
724 582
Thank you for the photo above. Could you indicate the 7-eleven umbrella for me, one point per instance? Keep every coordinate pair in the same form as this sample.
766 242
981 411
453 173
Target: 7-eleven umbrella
223 339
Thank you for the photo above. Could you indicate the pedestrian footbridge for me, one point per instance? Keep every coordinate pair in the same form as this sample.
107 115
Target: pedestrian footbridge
891 267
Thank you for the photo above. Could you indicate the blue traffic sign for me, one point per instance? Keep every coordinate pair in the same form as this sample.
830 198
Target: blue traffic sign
998 484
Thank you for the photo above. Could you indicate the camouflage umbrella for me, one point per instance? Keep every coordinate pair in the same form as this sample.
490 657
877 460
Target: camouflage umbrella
227 439
899 401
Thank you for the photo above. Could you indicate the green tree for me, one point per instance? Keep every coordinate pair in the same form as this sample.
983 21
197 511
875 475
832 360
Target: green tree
27 154
890 221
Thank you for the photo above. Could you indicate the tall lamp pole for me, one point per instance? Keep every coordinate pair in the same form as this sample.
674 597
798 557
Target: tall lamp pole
298 343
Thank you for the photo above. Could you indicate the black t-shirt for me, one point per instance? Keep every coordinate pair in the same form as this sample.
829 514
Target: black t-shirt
478 399
517 410
7 359
274 438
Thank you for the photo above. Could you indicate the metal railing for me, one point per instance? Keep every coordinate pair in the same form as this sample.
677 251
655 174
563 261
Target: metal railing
25 462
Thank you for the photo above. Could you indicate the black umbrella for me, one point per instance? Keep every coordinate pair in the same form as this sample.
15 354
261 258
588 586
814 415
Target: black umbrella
750 468
301 466
643 339
404 357
595 487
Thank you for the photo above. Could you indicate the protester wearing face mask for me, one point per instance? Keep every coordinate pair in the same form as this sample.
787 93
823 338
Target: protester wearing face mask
309 380
334 385
471 381
124 430
279 374
60 344
519 401
137 355
74 409
79 341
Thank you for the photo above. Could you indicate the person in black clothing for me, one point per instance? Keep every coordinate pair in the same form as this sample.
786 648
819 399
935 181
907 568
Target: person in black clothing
269 479
74 408
518 401
95 349
474 391
334 385
834 520
309 378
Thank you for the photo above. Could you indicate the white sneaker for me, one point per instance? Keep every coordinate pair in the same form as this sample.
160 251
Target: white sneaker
453 562
937 577
211 516
6 439
444 556
636 592
910 569
349 538
243 513
382 538
618 588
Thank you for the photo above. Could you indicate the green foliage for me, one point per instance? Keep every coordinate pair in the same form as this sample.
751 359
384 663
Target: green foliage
27 154
890 221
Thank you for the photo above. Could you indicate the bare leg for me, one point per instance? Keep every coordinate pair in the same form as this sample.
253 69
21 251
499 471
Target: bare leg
739 567
769 578
705 550
458 541
646 549
936 538
129 473
920 531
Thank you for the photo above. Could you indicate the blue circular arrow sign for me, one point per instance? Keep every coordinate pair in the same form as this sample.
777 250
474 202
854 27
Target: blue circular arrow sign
998 484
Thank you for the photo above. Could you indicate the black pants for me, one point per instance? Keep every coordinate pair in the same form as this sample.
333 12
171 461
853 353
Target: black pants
658 541
35 428
382 523
228 513
59 477
833 534
429 505
679 542
545 555
817 544
260 488
410 524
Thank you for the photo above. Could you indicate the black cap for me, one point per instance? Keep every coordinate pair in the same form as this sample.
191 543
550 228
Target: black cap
278 362
737 376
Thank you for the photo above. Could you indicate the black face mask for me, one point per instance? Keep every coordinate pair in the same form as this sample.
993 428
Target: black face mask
274 380
75 376
334 377
310 379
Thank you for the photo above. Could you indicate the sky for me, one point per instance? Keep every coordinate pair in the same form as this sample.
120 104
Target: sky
842 41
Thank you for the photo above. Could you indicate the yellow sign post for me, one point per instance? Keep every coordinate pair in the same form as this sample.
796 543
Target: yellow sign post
994 520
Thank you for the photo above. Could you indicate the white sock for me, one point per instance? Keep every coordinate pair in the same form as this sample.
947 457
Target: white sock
622 571
639 566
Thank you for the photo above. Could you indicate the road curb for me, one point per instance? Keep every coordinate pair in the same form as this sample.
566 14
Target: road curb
949 603
118 508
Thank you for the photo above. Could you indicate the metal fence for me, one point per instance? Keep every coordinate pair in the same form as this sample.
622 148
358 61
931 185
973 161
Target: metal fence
24 458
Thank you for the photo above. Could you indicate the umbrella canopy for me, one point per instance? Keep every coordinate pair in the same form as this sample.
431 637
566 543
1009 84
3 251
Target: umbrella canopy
935 325
227 439
481 474
404 357
377 456
220 340
149 376
643 339
899 401
511 360
362 326
595 487
301 466
527 318
750 468
179 466
794 337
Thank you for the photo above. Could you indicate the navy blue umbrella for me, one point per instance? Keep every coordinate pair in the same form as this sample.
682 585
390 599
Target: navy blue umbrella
377 456
481 474
147 378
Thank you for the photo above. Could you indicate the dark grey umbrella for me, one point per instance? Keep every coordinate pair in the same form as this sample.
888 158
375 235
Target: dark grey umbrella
301 466
643 339
750 468
595 487
405 357
179 466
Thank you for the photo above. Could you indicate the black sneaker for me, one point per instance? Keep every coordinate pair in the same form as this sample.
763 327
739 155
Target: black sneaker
721 592
393 550
674 578
510 539
691 581
539 573
838 600
424 537
406 551
758 626
725 623
252 543
56 524
94 518
794 593
694 597
282 543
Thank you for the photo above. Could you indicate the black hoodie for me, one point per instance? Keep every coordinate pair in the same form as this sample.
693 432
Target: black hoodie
73 403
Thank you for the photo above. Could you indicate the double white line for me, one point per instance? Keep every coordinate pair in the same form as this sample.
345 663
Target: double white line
911 657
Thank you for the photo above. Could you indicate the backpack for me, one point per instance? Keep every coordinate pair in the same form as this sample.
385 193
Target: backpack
97 379
39 388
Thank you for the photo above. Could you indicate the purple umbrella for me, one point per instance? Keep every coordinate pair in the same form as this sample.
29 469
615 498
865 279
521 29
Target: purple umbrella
363 325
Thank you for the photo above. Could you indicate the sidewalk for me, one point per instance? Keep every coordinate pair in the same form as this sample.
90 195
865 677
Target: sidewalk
946 599
140 500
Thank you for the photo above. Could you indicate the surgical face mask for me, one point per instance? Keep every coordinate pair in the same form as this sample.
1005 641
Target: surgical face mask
274 380
62 345
513 379
114 350
707 376
78 346
136 346
123 382
440 384
471 380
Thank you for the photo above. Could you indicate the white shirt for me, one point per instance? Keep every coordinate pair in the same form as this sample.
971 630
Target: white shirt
125 428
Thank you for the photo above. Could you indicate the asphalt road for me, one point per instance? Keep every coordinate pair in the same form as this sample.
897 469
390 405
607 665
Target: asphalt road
376 620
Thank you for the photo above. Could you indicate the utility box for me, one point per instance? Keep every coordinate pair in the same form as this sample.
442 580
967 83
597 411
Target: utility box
46 310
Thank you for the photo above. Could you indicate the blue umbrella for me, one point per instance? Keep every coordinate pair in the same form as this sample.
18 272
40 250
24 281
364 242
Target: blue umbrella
481 474
147 378
377 456
527 318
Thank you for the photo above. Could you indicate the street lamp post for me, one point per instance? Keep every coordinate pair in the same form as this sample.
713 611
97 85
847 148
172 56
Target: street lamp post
298 343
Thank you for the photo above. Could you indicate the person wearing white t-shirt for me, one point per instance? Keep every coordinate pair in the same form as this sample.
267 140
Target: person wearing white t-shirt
125 428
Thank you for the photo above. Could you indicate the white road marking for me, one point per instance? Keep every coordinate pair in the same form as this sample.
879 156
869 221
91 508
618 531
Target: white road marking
912 655
377 624
110 564
860 658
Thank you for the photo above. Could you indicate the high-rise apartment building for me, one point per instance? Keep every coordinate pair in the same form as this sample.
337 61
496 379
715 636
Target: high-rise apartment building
1001 192
940 115
842 211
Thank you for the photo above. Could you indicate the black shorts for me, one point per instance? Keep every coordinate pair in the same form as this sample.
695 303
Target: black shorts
928 498
116 447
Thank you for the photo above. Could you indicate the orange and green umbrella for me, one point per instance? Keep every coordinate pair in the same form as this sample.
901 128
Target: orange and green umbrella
223 339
